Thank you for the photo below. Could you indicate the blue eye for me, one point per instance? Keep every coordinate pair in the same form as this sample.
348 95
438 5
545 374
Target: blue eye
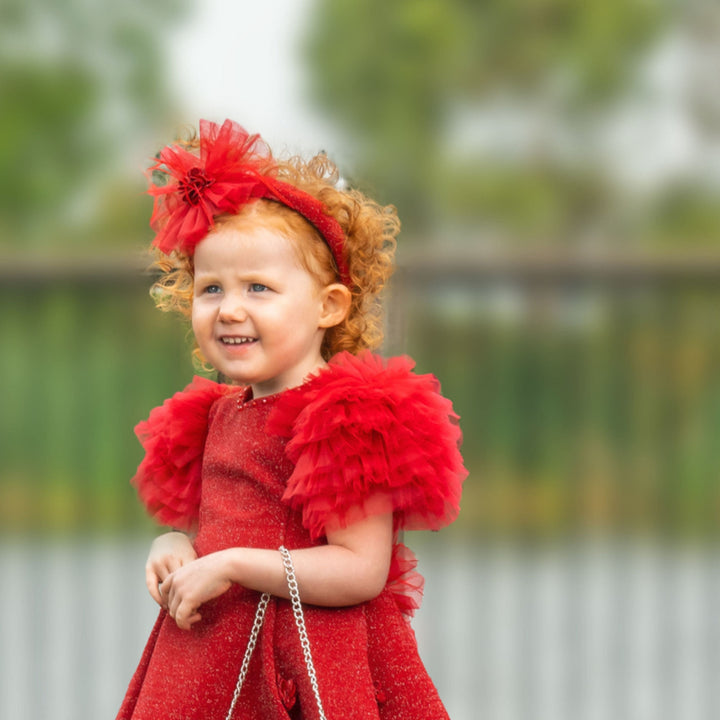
258 287
212 289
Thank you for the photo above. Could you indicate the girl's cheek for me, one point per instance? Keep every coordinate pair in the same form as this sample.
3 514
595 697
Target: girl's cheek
200 312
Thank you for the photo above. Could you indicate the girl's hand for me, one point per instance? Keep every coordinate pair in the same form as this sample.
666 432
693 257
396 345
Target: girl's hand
186 589
168 553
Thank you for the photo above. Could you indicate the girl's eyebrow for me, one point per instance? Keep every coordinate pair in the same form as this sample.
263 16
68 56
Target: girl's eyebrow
246 276
204 275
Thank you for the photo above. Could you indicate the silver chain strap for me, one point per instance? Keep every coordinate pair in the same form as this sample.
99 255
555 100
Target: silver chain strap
252 641
302 632
300 622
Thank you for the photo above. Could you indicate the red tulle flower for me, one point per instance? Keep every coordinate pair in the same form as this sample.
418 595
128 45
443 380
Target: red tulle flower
232 169
219 180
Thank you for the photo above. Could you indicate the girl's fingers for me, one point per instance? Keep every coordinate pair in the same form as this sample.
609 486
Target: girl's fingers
195 617
154 577
185 617
179 609
152 581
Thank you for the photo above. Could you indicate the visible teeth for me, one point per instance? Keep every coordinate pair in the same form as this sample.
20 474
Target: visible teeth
237 341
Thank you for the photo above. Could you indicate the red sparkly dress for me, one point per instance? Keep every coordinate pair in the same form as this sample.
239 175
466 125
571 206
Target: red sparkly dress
361 437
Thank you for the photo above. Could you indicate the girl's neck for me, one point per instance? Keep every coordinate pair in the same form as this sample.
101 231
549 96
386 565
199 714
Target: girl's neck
273 387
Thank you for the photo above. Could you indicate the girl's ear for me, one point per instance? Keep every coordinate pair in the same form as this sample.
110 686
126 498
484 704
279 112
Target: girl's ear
336 300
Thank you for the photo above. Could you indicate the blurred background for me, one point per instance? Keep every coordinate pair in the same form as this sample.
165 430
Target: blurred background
556 164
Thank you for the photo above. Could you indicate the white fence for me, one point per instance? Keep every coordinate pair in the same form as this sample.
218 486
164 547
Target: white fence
586 632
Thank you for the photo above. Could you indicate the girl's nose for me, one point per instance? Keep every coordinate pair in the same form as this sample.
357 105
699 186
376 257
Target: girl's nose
232 309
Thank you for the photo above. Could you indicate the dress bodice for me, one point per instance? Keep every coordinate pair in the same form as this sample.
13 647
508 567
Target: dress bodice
245 471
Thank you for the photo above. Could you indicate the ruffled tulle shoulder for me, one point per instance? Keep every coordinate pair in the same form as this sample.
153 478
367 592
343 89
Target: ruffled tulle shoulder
168 478
367 437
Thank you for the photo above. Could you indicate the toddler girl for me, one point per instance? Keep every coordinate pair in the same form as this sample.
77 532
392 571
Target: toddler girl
310 442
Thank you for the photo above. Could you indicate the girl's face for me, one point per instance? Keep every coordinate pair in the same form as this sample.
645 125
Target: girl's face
258 316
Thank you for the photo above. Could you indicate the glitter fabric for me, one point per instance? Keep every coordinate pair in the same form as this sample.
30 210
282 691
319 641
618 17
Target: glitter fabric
365 656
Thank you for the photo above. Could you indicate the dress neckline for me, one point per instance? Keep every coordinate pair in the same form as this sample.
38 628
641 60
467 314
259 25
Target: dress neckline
246 400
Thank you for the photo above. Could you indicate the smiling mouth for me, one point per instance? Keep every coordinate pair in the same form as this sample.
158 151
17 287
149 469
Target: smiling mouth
237 340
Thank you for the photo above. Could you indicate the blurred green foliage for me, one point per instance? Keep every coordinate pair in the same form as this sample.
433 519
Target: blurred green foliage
81 87
489 122
406 64
408 69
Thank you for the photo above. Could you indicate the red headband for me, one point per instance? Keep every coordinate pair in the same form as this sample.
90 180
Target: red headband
231 170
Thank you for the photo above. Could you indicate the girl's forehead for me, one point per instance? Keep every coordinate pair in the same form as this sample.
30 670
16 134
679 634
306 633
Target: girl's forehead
251 246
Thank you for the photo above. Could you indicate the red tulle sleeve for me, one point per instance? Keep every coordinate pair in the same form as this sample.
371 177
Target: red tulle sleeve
369 437
168 478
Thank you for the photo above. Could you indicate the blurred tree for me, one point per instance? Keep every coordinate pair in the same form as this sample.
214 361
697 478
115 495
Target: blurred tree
78 83
415 82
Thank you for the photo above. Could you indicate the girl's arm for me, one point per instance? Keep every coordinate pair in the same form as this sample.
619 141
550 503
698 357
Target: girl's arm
350 569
